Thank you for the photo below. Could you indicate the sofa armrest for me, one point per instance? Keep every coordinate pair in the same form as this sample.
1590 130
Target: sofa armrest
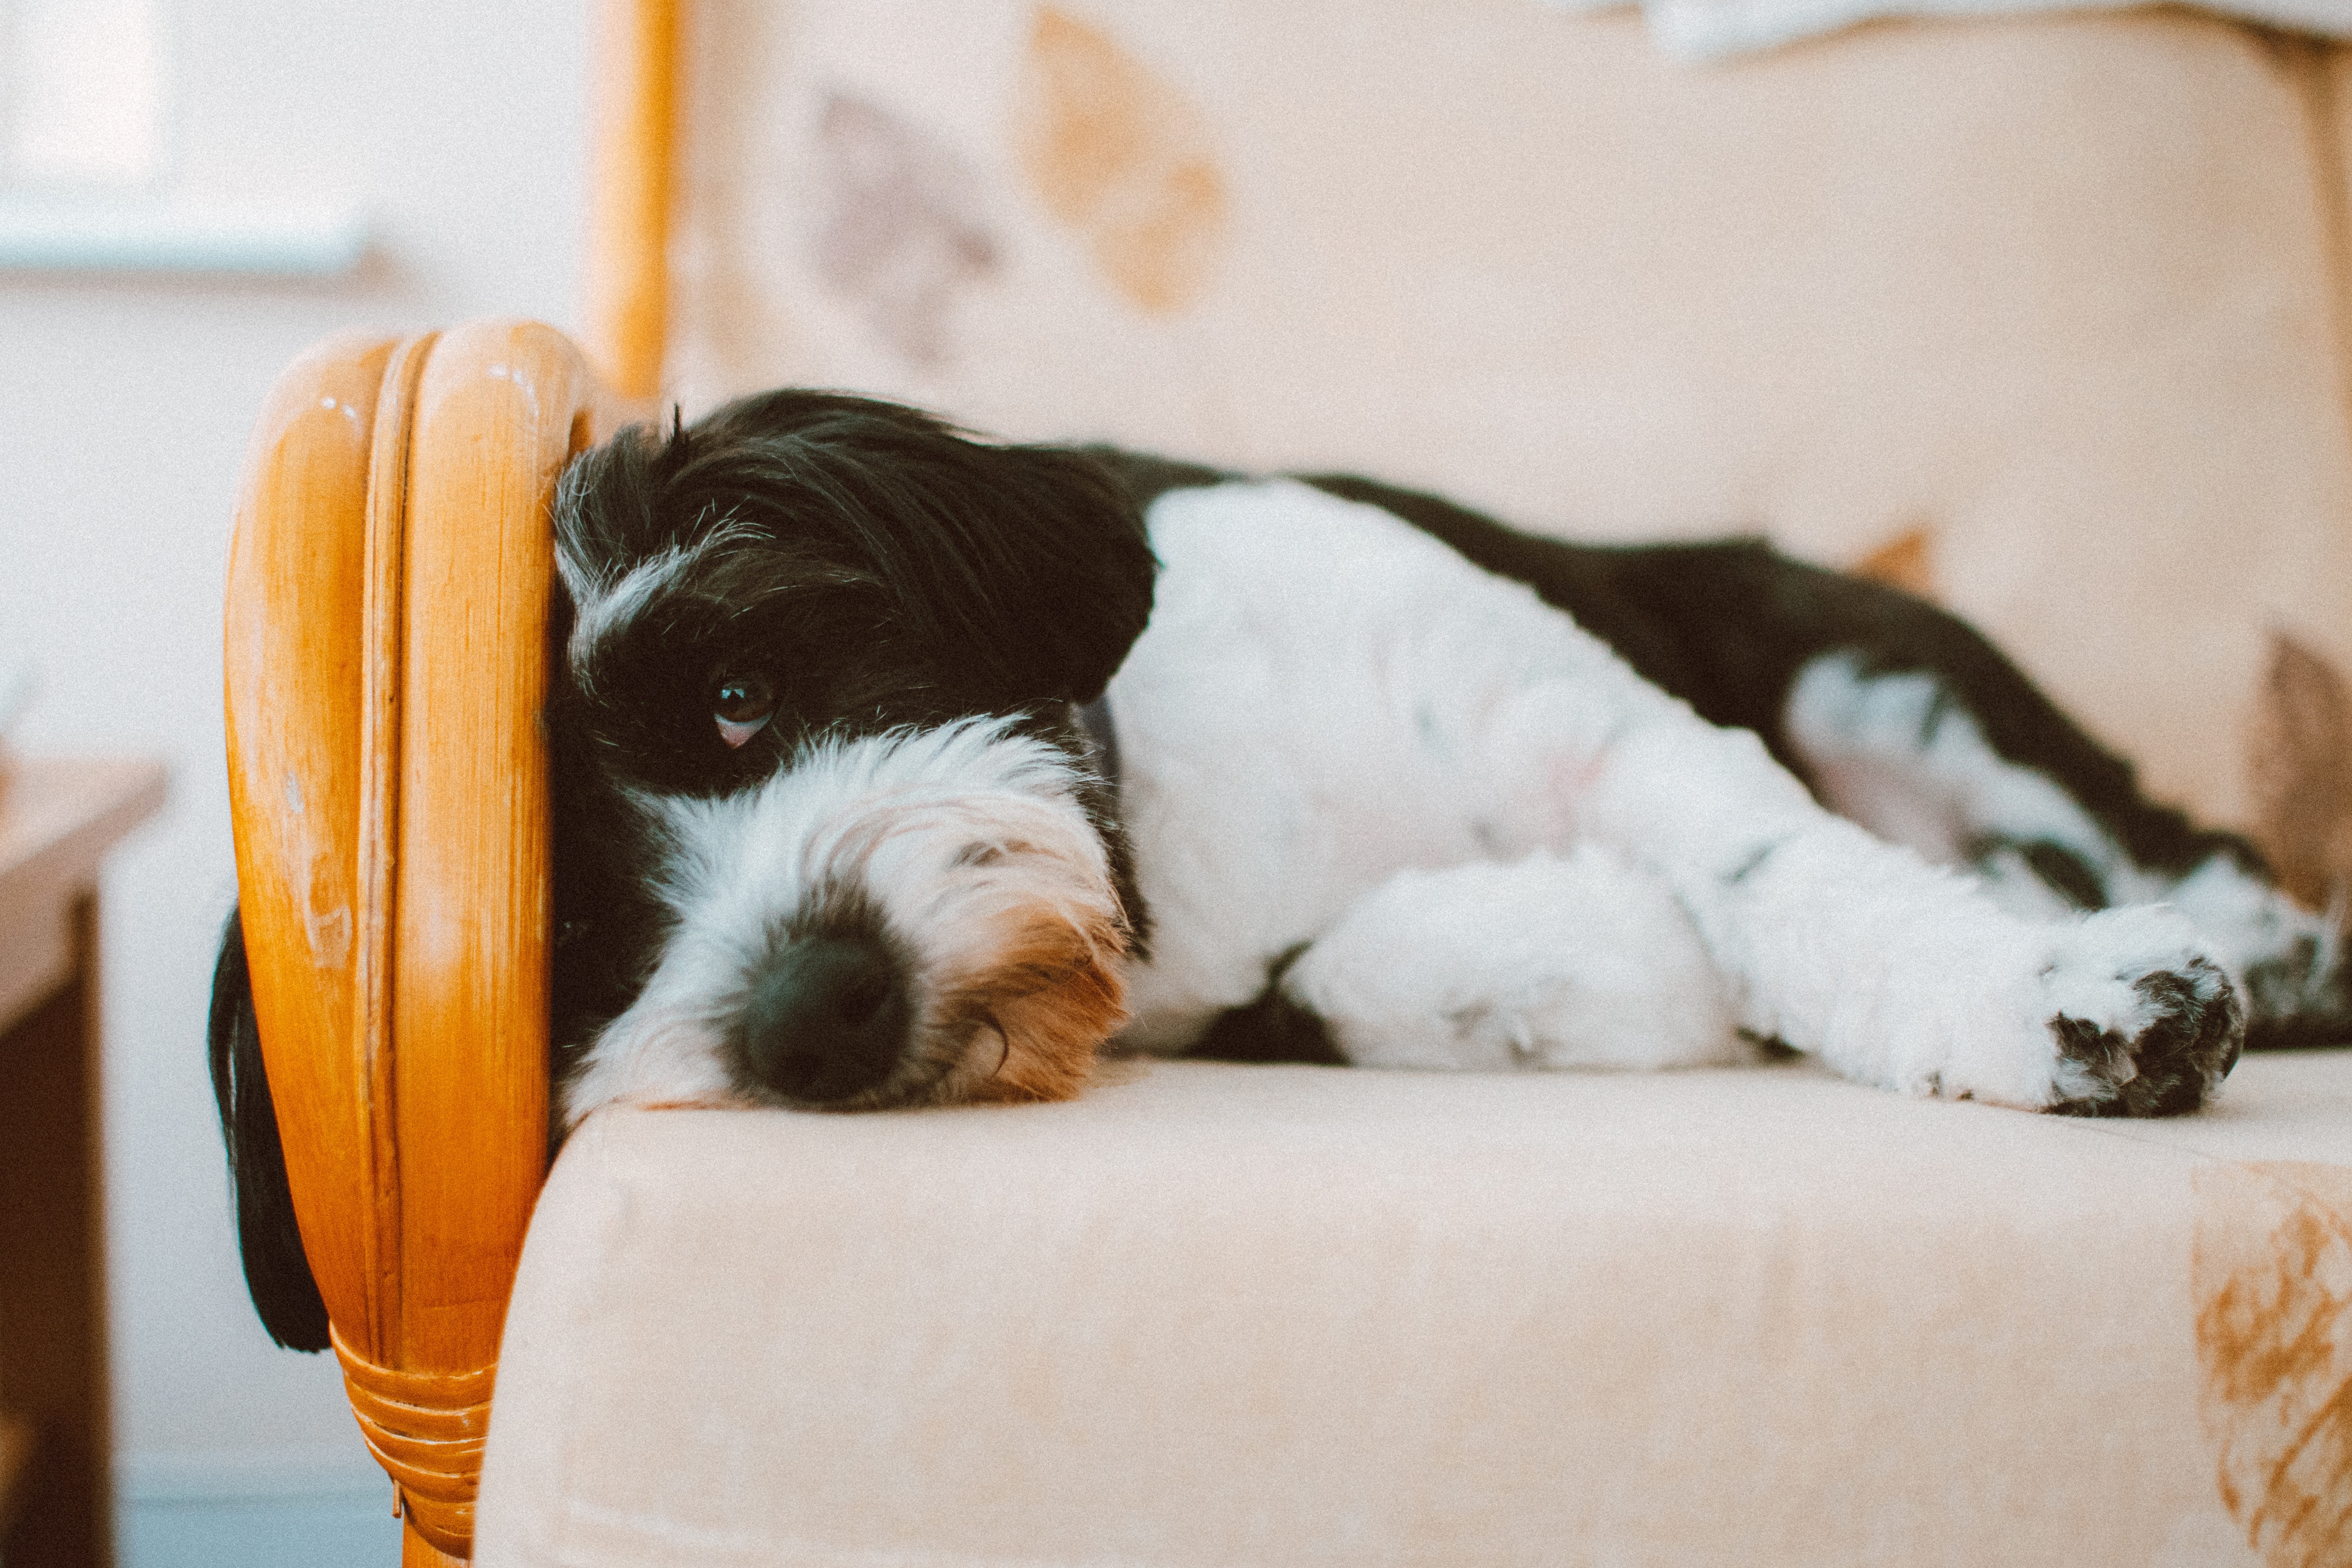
386 663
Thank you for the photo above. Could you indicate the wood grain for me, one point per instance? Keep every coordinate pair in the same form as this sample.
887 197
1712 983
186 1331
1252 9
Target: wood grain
53 1350
495 422
292 620
632 172
16 1452
387 665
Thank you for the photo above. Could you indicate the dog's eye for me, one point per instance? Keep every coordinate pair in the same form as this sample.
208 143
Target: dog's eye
742 706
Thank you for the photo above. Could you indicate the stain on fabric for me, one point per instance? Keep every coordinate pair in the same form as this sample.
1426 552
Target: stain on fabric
2272 1276
1124 158
896 234
1907 561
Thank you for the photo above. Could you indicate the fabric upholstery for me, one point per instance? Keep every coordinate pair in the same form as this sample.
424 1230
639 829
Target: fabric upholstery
2045 315
2064 293
1229 1315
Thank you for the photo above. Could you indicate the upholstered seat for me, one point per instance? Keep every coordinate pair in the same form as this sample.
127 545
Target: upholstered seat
1214 1315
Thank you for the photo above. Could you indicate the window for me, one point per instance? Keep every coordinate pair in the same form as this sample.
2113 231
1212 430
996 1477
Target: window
81 94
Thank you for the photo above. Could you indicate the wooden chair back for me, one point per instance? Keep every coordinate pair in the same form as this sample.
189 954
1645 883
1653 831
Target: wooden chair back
386 664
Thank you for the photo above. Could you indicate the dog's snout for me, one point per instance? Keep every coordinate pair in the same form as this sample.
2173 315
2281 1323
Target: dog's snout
825 1021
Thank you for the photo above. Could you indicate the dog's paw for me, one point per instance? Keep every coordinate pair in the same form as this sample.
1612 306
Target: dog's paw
2142 1022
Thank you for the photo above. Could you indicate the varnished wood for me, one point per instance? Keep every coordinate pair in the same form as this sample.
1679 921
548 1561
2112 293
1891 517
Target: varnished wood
387 664
417 1552
53 1362
495 421
383 570
632 178
291 621
16 1450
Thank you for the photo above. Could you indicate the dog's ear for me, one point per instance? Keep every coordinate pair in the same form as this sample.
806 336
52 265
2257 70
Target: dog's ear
276 1270
1063 551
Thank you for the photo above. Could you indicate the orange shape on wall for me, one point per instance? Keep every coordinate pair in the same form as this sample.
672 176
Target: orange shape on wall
1124 158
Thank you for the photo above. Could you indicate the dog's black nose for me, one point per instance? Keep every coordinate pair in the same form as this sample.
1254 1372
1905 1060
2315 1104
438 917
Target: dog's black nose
827 1019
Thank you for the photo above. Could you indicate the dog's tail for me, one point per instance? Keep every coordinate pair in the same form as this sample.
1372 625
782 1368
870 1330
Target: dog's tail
276 1272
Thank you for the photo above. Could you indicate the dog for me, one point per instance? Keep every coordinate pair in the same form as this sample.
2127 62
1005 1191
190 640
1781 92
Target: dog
896 767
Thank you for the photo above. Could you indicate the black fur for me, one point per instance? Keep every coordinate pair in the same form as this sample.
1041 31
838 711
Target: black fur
967 578
2167 1076
276 1271
1271 1028
884 572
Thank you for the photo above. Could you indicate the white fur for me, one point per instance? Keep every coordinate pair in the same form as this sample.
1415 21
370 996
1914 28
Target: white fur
1577 961
604 601
1886 756
1327 700
955 837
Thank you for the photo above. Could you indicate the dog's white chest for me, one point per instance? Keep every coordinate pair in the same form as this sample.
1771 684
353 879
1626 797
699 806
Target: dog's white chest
1324 697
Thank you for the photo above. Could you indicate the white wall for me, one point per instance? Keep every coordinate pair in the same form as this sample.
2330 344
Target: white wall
124 407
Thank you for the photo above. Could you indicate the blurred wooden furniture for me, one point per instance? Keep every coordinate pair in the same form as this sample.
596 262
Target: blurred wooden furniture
58 819
387 592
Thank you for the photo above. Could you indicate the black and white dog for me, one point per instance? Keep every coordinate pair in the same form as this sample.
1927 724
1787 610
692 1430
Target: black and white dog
897 768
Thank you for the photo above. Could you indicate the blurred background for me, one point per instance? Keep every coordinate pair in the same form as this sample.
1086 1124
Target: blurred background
248 134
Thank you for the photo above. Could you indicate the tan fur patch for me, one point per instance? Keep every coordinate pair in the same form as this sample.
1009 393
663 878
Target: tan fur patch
1124 158
1055 995
1907 561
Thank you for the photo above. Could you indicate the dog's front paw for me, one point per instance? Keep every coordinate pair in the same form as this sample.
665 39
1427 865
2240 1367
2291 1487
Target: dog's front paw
2143 1024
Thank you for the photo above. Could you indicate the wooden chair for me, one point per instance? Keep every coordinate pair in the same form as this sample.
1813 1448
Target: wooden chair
387 595
385 664
387 591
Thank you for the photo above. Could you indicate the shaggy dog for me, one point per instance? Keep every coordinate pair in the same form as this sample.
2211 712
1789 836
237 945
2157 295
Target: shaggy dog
897 768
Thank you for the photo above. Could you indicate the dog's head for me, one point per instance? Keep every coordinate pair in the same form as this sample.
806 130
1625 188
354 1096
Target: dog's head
824 807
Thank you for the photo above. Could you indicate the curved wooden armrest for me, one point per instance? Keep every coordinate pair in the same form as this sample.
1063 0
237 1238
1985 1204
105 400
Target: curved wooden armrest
386 662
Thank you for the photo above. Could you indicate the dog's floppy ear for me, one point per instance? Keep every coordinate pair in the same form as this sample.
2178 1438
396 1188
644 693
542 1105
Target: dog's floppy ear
1069 546
276 1272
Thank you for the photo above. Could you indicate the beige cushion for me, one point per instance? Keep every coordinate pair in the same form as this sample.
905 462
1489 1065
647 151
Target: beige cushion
2061 290
1226 1315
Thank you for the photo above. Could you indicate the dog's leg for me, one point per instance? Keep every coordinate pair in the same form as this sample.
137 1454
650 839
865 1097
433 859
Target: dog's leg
1549 961
2055 829
1892 971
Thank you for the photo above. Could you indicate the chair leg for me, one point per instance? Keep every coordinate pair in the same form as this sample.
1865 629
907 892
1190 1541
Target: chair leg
416 1552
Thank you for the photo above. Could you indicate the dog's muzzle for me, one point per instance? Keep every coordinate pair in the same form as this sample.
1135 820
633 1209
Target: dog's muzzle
911 919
